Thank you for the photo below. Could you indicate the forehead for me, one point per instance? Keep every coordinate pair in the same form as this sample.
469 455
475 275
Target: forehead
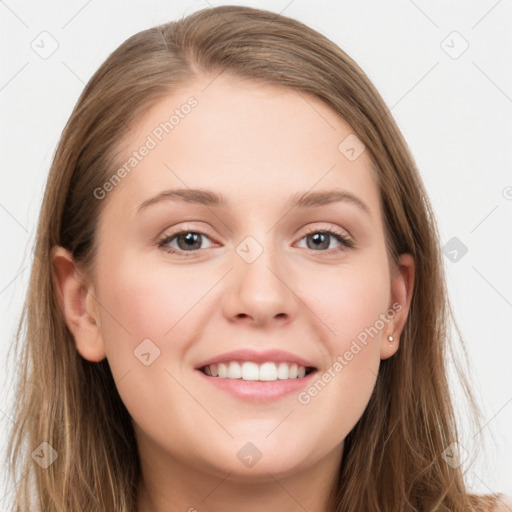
255 143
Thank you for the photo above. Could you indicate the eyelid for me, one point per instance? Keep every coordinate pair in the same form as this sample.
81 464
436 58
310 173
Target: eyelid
330 228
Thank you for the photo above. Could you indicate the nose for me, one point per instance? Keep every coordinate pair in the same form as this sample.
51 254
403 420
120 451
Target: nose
261 291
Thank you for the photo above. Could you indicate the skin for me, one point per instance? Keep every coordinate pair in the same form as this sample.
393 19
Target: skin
258 145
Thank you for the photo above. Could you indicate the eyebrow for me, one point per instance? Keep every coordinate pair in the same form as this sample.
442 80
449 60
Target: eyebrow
214 199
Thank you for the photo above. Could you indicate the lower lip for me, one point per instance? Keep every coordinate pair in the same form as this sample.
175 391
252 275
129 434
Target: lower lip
259 391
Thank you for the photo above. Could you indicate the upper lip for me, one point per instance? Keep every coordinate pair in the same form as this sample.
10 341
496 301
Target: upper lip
257 356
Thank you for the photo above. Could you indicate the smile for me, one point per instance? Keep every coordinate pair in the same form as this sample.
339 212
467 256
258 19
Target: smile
251 371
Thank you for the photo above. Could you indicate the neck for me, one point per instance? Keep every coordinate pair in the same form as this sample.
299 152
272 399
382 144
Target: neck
179 488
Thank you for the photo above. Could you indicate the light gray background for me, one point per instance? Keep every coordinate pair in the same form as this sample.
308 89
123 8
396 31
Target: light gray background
455 112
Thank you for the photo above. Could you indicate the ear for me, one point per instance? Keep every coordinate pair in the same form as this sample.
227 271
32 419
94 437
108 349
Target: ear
78 305
402 285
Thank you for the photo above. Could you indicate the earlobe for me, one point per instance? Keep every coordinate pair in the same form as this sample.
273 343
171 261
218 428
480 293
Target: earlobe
402 287
78 305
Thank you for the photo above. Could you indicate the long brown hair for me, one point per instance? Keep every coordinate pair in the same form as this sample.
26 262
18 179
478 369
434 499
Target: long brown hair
392 458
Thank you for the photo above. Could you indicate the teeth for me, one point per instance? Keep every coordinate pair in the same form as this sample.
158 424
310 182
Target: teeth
223 371
234 371
268 371
252 371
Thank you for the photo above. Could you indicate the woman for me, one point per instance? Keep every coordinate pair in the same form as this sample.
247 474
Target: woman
194 339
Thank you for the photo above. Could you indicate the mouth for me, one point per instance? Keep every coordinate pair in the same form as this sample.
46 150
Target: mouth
257 375
253 371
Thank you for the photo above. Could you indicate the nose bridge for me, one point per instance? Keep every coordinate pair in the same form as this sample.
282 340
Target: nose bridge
258 287
256 258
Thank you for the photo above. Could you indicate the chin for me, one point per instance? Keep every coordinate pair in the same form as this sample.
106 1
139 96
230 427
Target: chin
246 460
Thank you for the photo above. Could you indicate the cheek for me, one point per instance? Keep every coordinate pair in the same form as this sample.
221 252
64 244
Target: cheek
149 302
353 303
137 310
147 318
340 393
348 301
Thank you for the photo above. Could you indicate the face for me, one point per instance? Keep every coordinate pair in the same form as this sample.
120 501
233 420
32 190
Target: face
187 286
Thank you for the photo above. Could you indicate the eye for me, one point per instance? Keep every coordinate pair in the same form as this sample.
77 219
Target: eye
187 240
321 239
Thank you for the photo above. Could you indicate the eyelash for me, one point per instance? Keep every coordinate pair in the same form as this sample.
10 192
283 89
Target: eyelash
345 241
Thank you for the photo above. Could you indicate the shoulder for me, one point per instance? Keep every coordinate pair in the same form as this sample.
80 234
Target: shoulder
504 504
